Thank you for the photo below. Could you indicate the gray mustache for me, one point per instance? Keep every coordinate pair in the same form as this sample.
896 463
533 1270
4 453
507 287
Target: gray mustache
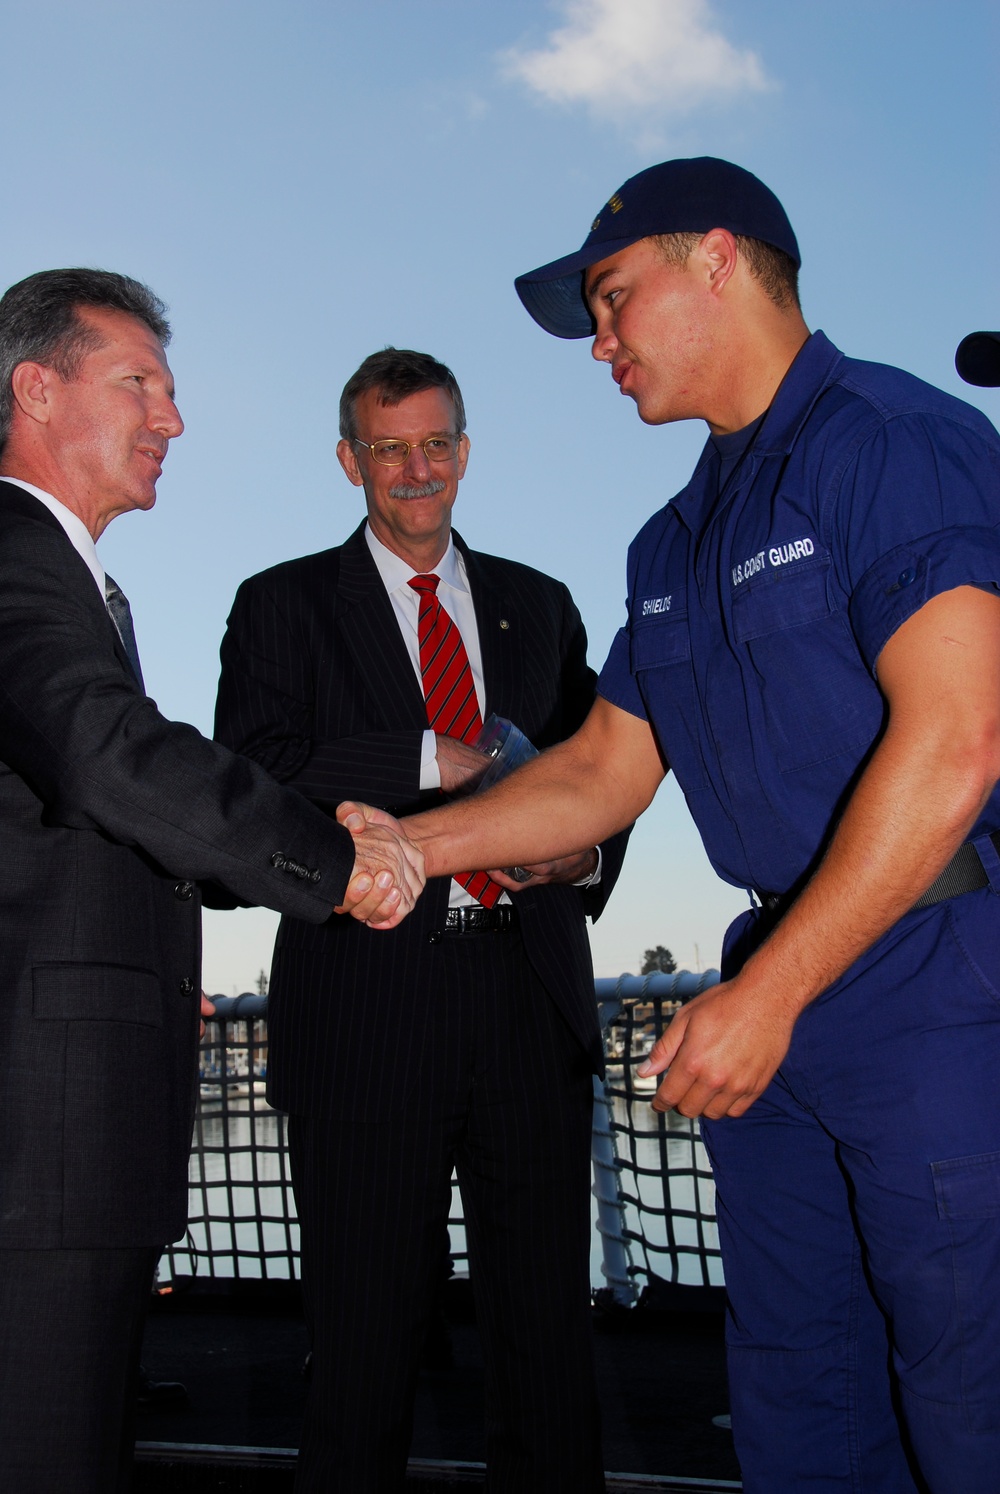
417 490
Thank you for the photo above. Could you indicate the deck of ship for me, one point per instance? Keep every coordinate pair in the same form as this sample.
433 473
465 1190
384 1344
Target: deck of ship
661 1372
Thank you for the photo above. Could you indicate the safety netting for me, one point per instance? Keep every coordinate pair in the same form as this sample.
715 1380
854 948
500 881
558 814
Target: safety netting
654 1199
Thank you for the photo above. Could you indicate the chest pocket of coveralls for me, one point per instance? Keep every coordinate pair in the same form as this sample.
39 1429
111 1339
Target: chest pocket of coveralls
815 696
661 663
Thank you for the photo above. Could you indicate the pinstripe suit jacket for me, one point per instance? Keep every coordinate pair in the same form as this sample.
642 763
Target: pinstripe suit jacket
109 814
317 686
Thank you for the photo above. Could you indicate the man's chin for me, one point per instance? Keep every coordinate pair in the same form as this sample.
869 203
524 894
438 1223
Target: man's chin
142 501
641 406
649 414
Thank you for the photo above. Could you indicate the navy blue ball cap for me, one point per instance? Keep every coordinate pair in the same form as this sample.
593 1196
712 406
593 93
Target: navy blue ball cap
686 196
977 359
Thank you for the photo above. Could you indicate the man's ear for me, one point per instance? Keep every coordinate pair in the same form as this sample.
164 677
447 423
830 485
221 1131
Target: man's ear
32 387
348 459
719 257
463 455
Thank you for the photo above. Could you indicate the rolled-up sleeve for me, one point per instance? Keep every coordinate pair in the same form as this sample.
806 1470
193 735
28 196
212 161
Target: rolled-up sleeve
919 506
616 682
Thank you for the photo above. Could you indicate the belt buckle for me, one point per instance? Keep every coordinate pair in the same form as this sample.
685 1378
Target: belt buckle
465 920
475 919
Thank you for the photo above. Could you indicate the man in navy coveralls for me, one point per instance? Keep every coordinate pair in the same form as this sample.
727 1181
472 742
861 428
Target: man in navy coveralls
813 645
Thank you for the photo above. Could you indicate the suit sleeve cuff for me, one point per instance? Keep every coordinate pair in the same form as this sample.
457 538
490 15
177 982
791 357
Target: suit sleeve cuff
595 876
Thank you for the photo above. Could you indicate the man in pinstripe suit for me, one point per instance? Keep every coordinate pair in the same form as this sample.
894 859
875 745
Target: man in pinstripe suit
467 1036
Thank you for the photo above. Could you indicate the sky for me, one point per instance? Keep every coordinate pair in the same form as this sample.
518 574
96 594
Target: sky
305 182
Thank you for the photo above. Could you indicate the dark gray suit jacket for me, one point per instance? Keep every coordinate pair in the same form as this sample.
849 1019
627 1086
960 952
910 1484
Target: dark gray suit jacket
318 687
109 816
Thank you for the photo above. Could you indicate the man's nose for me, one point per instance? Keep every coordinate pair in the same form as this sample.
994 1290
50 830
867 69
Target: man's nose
603 346
167 419
417 464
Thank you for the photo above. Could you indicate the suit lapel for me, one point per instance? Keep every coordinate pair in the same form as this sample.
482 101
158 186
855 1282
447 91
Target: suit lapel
371 633
368 626
501 636
21 501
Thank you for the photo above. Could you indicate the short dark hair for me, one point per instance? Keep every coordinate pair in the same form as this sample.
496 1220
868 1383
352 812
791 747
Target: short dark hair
776 271
396 373
39 322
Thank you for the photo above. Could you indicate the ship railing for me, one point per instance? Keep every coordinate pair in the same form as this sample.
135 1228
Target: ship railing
654 1199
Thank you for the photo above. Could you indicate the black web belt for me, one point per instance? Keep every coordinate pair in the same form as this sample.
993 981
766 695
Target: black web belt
965 872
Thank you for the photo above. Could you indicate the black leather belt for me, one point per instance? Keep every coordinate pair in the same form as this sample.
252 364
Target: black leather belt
478 920
965 872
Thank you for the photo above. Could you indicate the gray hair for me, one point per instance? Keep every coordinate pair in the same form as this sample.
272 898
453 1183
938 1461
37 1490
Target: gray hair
396 373
39 323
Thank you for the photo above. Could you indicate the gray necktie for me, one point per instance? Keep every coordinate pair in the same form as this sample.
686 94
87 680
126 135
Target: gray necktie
121 616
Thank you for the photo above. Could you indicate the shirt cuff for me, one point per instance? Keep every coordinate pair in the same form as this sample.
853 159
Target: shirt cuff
430 773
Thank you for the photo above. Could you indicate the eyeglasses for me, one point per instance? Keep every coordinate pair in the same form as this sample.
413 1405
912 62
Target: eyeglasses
395 453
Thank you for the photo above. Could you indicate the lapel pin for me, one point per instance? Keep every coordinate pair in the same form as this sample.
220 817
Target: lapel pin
504 624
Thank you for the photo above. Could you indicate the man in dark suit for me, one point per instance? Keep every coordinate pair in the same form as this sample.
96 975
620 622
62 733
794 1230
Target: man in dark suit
469 1035
109 816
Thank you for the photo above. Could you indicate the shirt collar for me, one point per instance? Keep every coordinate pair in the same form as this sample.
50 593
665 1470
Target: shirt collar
812 371
75 529
396 572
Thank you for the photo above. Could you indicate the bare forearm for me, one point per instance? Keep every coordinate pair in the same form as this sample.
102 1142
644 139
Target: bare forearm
545 810
904 821
925 786
922 791
907 817
565 801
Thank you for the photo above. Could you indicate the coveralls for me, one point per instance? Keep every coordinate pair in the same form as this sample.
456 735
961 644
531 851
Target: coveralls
859 1197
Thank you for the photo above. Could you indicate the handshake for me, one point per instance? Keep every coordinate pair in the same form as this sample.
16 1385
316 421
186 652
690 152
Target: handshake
390 867
389 873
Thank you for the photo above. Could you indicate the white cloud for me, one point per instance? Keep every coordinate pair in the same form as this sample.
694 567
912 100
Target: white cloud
659 56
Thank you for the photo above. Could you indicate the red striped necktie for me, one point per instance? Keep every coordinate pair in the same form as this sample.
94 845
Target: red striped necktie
450 693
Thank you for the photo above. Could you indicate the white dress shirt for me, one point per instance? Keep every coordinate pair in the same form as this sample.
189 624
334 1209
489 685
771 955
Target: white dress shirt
456 599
